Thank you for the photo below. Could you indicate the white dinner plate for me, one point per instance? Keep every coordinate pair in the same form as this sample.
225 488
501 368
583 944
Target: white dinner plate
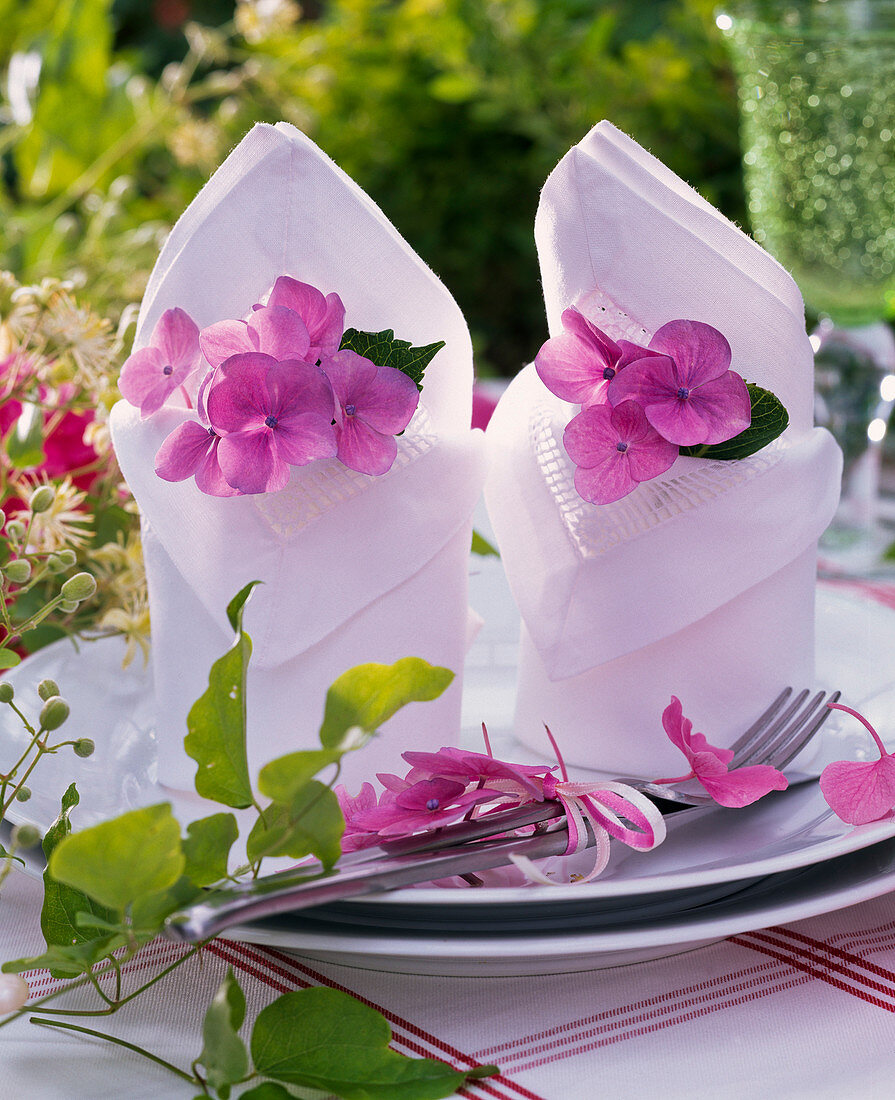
706 857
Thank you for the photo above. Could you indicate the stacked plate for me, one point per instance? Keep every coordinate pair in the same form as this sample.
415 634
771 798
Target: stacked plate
718 873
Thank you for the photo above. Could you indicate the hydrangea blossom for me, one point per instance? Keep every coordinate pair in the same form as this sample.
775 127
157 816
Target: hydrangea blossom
272 416
688 392
152 374
323 316
709 765
860 791
426 804
374 404
274 331
614 449
579 364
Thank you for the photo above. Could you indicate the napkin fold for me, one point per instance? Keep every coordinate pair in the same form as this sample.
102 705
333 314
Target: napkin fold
348 560
618 601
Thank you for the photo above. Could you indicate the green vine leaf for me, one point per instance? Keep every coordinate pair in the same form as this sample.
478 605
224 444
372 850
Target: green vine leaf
9 658
324 1039
24 442
217 720
769 420
482 547
312 824
283 778
385 351
63 904
224 1054
121 861
267 1090
148 913
206 848
365 696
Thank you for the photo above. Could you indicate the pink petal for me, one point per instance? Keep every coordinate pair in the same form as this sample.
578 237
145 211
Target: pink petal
648 381
420 794
743 786
859 791
679 421
297 388
280 332
700 351
249 462
225 338
698 743
362 448
177 337
350 374
724 407
324 317
158 395
210 477
388 400
649 457
327 335
182 452
604 483
238 396
141 373
573 369
575 323
590 436
302 438
677 726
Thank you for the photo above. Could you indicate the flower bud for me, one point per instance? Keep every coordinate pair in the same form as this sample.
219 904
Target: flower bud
25 836
18 571
67 557
2 518
6 692
55 564
15 530
79 587
23 793
68 606
47 688
54 712
14 992
42 498
84 747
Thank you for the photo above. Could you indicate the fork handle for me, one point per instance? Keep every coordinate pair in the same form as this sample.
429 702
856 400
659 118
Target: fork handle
254 900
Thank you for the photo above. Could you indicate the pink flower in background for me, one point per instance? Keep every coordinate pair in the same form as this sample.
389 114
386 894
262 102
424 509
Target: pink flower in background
709 764
614 449
689 394
579 364
280 333
860 791
152 374
374 404
423 805
323 316
271 416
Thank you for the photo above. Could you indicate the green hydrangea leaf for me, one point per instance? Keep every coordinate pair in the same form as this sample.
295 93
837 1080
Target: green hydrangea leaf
206 848
281 779
324 1039
482 547
365 696
312 824
383 349
217 720
120 861
769 419
224 1054
62 905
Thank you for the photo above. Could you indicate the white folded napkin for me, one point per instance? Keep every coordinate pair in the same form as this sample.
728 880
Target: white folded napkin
355 567
671 589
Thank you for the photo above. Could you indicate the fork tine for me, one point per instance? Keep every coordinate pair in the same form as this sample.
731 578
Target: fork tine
748 750
760 723
789 750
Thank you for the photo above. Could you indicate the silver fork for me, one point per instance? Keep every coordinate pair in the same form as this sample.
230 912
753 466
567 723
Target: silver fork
775 738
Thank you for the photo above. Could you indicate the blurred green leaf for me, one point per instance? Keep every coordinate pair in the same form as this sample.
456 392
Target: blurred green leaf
206 848
311 824
224 1054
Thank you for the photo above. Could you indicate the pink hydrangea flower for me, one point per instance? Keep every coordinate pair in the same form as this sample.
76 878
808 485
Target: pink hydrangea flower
271 416
354 837
579 364
423 805
473 767
689 394
323 316
614 449
860 791
374 405
152 374
192 450
275 331
709 764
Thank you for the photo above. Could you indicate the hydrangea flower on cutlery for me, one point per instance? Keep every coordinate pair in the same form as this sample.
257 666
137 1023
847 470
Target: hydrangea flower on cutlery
280 388
642 406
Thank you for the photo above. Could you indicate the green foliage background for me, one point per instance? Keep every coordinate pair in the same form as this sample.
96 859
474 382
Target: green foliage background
450 113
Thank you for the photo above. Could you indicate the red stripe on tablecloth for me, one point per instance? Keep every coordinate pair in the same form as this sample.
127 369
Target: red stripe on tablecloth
645 1017
848 957
881 593
249 958
878 937
811 963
